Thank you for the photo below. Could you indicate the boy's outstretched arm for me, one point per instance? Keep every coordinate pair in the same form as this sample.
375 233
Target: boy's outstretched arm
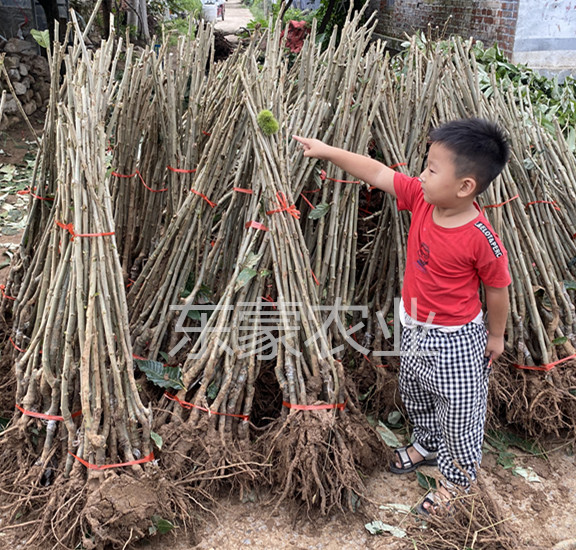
497 304
364 168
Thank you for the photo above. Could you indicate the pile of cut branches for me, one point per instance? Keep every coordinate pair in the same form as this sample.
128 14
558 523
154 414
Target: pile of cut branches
174 220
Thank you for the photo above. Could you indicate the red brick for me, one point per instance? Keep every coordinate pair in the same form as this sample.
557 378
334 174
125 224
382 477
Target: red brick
486 20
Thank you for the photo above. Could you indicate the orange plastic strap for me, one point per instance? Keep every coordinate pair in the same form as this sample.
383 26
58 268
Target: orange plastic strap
397 164
2 289
70 228
29 192
553 203
308 202
340 406
15 346
545 368
212 204
256 225
45 416
284 207
323 177
181 170
187 405
243 190
380 366
148 458
314 277
137 173
269 299
501 204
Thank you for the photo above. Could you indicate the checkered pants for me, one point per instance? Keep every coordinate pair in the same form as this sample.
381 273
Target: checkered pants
444 386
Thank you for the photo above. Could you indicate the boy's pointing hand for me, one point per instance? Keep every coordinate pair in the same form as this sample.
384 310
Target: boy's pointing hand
313 147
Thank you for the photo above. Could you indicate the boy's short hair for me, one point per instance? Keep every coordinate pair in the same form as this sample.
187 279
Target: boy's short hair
479 146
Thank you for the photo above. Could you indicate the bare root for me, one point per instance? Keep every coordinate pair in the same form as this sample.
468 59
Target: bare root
319 458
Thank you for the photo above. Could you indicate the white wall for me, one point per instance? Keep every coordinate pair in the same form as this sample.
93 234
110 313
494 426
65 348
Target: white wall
546 35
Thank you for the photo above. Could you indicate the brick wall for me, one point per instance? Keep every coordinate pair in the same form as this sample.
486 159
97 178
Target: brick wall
486 20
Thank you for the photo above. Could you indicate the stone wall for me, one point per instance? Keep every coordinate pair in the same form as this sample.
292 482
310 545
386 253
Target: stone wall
30 76
487 20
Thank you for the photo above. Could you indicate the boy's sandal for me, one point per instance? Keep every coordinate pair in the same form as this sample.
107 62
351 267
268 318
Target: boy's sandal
434 504
406 463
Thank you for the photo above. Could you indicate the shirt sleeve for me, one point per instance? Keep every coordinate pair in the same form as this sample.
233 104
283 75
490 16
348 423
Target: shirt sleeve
407 191
492 259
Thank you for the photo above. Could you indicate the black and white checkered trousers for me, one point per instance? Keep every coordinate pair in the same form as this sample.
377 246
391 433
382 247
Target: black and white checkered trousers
444 386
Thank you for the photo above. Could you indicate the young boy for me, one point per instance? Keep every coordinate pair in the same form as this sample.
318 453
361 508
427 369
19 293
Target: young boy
446 351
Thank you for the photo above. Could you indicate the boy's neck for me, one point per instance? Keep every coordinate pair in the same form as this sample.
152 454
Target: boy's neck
456 216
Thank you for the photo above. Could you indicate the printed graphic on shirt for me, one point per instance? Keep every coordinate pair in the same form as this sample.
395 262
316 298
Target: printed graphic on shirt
490 238
423 257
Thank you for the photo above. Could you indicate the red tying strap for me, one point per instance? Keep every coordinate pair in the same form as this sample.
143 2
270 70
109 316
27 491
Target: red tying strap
340 406
26 20
187 405
44 416
381 365
15 346
308 202
545 368
212 204
269 299
3 288
553 203
148 458
206 133
398 164
29 192
70 228
242 190
139 357
284 207
323 177
137 173
181 170
256 225
498 205
314 277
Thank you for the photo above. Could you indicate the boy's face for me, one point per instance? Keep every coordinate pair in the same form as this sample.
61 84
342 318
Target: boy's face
440 185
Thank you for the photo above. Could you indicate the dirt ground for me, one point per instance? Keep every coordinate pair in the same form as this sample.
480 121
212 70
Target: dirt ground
541 512
537 496
236 16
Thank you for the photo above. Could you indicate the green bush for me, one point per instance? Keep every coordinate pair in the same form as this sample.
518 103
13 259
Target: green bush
292 14
551 100
184 11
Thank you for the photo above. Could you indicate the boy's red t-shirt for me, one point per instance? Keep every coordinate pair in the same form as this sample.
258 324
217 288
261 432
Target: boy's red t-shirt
444 266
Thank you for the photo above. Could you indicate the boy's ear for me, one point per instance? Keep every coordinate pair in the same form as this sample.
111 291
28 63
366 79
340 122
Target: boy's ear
468 187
